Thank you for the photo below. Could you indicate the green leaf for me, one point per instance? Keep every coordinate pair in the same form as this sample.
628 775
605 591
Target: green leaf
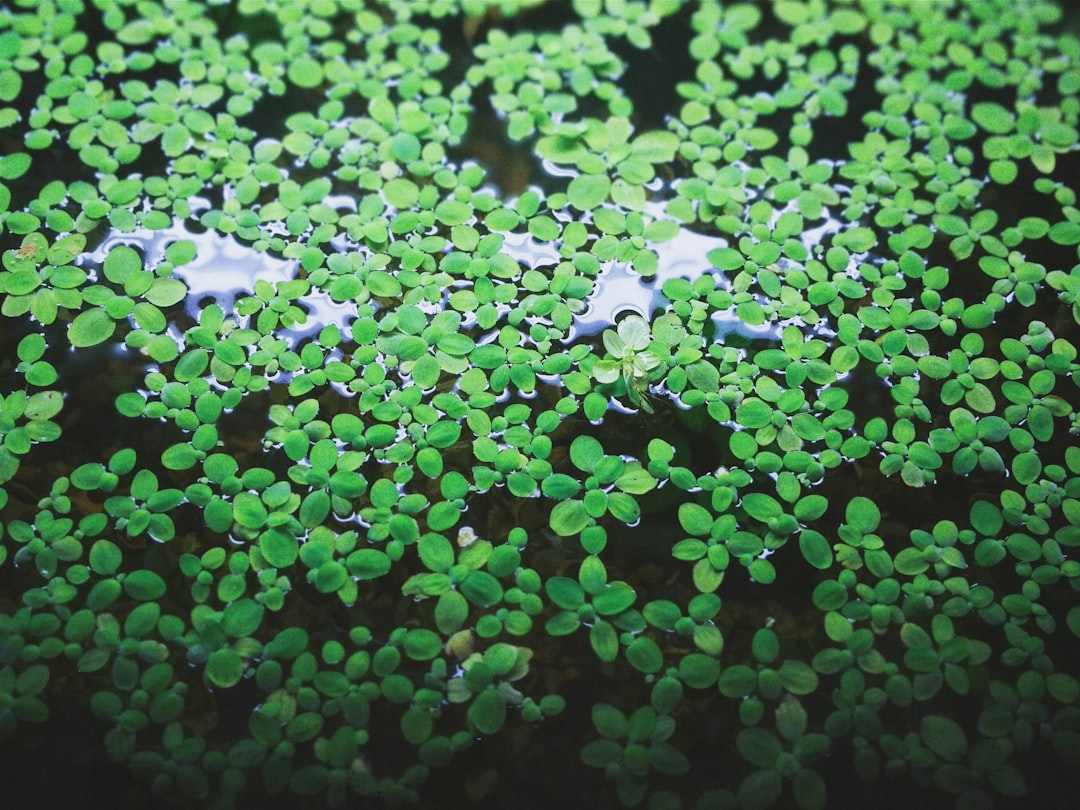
422 644
405 147
791 719
798 677
416 726
911 562
613 599
815 549
1072 620
436 552
249 510
656 146
644 655
315 508
635 480
944 736
986 518
453 212
287 644
14 165
383 284
175 140
609 721
593 574
91 327
993 117
43 405
32 680
761 507
279 548
1065 233
443 515
451 611
811 507
121 263
762 571
401 193
753 414
666 758
143 585
604 640
242 618
695 519
105 557
569 518
1027 467
305 72
809 789
565 592
622 507
862 514
367 563
165 292
482 589
830 595
588 191
760 789
224 667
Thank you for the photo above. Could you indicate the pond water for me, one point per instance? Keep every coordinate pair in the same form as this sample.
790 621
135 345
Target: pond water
470 404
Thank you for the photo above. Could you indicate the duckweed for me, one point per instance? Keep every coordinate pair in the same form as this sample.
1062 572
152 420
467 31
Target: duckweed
336 465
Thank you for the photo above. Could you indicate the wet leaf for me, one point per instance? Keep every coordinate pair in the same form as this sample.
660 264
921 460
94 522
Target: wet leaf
944 736
587 191
91 327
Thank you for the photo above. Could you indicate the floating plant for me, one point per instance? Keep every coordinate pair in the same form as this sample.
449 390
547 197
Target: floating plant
468 403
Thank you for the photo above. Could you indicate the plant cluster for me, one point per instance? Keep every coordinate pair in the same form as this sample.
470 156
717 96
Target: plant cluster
323 536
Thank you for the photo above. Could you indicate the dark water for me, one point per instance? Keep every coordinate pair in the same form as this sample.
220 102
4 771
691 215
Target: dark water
525 766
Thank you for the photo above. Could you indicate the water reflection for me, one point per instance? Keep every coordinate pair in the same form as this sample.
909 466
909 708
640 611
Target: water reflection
224 269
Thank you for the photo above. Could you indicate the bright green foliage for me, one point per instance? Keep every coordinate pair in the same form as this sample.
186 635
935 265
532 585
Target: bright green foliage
377 377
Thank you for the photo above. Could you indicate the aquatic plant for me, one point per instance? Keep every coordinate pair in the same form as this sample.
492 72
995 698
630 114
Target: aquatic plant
332 453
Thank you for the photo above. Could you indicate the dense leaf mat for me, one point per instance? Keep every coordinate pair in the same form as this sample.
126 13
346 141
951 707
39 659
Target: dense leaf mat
662 404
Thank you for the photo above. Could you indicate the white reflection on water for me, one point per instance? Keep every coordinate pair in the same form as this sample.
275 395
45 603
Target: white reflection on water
225 268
